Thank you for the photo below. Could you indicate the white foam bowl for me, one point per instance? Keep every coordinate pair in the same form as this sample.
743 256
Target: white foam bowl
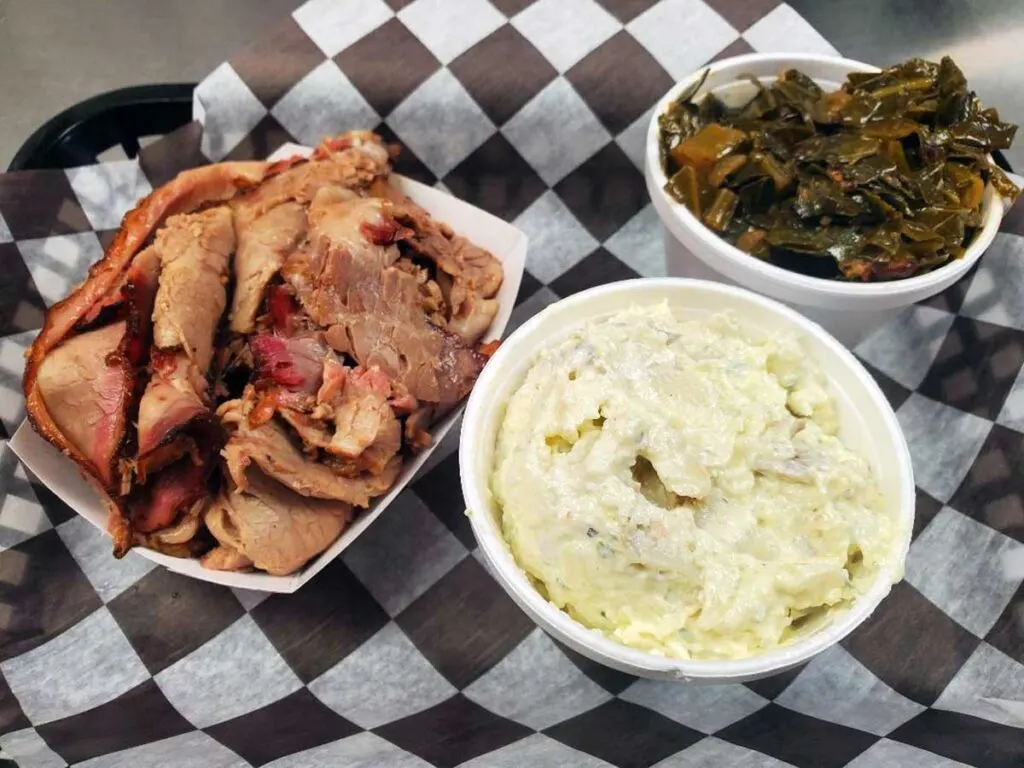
867 424
849 310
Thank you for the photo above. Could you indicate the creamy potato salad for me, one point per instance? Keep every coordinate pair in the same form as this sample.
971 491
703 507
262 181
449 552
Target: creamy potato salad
679 485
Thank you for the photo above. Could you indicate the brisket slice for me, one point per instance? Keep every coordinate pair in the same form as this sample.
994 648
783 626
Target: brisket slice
195 252
346 282
269 447
469 275
271 527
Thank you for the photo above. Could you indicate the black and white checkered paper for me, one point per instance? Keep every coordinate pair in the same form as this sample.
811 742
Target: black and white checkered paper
404 652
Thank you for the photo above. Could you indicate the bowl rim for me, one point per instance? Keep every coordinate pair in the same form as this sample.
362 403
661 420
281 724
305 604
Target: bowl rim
668 207
593 643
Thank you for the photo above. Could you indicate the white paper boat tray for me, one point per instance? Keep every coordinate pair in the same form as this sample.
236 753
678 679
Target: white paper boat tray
61 475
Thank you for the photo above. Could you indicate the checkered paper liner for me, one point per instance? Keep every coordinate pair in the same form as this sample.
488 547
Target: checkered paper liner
404 651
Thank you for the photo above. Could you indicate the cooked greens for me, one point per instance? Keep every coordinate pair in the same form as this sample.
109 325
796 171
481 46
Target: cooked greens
879 180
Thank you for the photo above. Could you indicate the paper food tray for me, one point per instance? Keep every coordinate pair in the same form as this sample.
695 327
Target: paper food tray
61 475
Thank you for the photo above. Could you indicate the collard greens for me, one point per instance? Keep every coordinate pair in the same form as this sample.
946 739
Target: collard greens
879 180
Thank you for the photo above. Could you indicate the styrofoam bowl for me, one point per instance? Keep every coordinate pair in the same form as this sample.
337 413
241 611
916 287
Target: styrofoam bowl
867 425
847 309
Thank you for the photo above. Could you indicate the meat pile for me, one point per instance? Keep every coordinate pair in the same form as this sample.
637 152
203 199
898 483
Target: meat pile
258 350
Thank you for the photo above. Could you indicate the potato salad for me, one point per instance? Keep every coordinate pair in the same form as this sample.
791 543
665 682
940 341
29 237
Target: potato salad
681 486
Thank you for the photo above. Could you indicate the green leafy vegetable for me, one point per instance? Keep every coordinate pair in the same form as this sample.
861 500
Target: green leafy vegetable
879 180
